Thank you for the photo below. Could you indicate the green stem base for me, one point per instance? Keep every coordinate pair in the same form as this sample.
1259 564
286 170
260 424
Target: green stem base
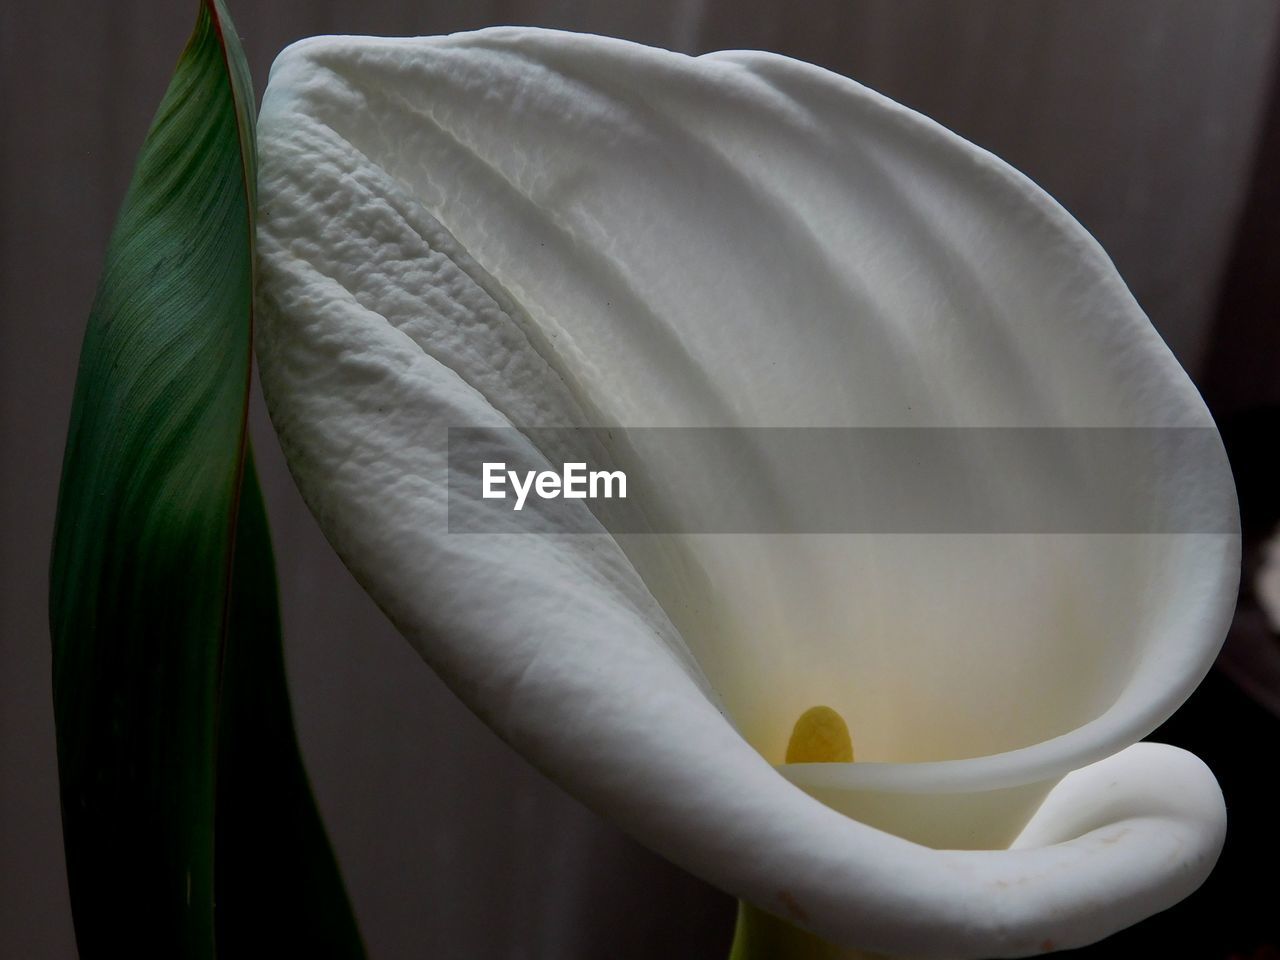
762 936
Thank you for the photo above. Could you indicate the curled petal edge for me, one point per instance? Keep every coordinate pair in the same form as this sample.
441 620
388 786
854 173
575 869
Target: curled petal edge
1114 842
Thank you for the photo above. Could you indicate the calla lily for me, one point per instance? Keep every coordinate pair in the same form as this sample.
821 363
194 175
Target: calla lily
529 228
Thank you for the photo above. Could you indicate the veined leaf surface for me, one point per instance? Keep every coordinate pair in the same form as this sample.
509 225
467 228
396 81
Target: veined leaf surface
167 667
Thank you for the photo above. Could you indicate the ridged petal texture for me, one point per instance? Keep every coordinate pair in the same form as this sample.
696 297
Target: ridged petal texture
537 229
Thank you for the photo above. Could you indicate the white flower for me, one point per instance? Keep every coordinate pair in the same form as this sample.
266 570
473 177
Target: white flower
531 228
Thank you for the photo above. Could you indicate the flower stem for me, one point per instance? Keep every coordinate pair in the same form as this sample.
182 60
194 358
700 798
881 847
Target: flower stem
758 935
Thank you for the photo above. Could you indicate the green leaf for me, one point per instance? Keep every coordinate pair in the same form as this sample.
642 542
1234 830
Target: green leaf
278 886
170 766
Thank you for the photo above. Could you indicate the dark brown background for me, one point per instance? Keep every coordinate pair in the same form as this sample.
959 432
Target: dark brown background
1144 117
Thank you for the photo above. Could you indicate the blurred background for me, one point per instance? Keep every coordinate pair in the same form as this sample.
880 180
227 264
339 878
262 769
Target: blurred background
1155 122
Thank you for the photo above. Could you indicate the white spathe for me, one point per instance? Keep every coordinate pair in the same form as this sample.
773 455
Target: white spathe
533 228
